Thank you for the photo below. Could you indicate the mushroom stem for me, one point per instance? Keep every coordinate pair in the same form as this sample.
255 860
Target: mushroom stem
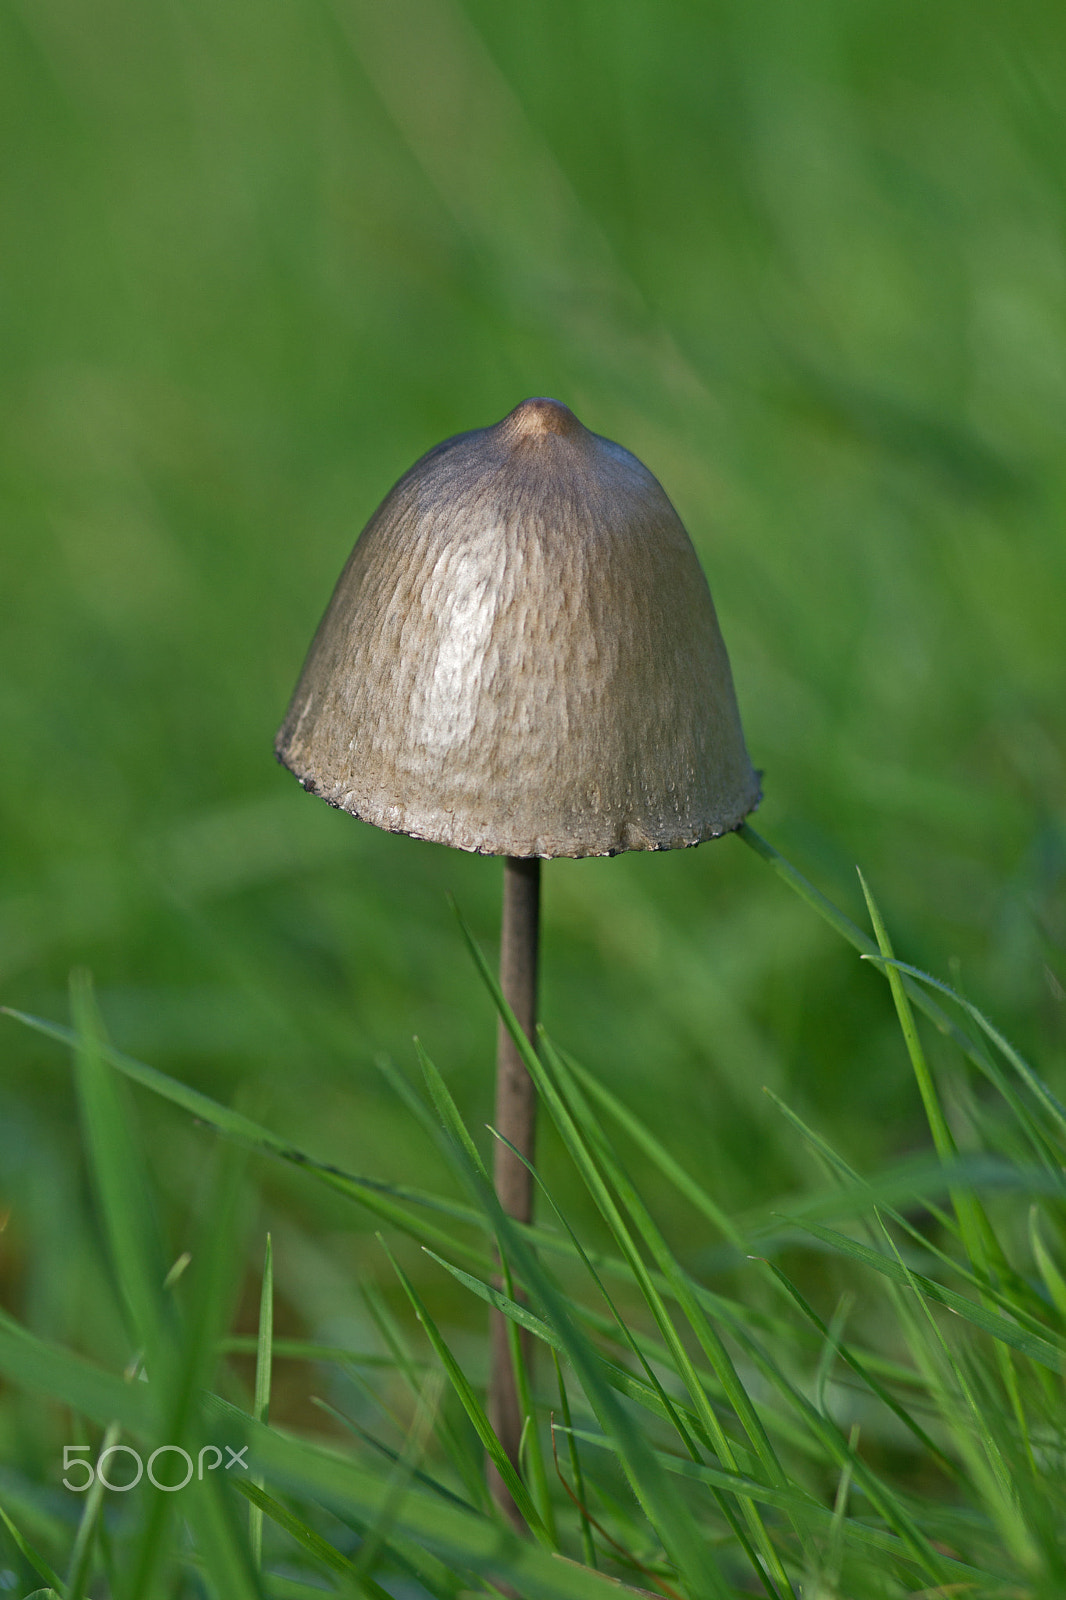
516 1111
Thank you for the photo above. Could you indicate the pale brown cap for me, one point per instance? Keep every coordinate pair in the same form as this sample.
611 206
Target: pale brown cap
522 657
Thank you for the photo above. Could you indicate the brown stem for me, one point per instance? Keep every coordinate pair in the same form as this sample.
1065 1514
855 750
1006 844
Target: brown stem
516 1110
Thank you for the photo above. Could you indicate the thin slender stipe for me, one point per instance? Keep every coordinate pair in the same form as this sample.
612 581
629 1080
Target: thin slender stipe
516 1112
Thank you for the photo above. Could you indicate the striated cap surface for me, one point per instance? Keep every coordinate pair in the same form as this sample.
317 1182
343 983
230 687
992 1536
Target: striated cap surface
522 657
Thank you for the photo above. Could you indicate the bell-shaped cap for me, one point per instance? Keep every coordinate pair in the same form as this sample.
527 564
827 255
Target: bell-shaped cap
522 657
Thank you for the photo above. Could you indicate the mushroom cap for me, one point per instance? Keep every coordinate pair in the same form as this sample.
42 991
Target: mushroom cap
522 657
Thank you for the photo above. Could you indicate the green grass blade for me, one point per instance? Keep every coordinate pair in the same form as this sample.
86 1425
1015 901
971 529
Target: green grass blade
982 1285
120 1177
976 1230
385 1200
576 1108
219 1540
514 1309
30 1363
588 1547
667 1164
804 1506
708 1423
301 1534
1054 1281
211 1283
850 932
264 1360
1037 1349
942 1135
485 1544
456 1130
448 1111
473 1408
666 1406
866 1376
649 1488
390 1455
400 1479
1032 1080
33 1557
82 1553
471 1470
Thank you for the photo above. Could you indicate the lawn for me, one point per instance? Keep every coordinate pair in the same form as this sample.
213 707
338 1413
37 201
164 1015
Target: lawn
808 264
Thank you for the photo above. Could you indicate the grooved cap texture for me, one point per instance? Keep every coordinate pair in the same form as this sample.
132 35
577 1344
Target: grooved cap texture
522 657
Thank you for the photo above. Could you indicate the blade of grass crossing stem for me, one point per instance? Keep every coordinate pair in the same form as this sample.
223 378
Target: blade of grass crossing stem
601 1194
456 1128
650 1396
472 1406
685 1543
32 1557
620 1326
82 1553
264 1358
516 1312
119 1174
588 1545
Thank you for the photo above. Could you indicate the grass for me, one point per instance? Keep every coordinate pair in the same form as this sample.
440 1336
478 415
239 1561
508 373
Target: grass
906 1437
807 264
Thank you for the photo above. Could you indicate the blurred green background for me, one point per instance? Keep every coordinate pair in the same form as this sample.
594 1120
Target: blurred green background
807 262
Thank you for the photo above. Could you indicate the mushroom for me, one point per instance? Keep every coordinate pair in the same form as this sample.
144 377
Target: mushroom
522 658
